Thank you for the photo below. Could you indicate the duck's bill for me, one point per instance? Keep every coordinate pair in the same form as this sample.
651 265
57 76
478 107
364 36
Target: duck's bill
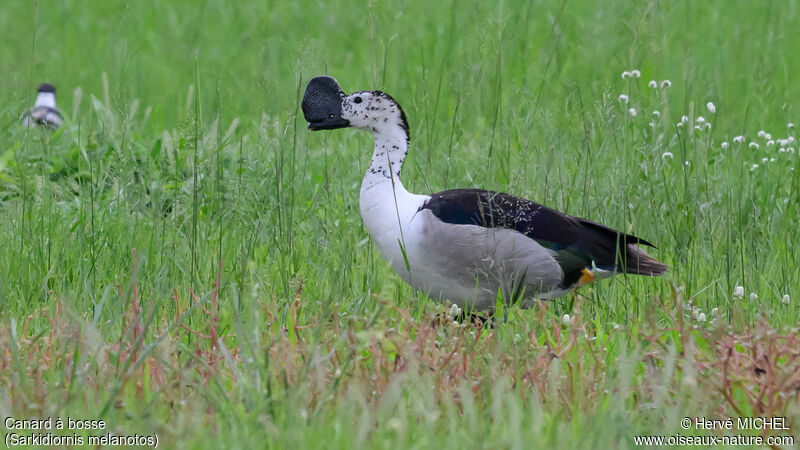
322 104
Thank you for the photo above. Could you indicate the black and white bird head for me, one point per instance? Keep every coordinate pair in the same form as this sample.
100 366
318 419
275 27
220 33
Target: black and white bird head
44 111
46 95
327 107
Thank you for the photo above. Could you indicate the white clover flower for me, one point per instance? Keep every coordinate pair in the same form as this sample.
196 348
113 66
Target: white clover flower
754 145
770 143
632 112
701 317
784 142
700 119
684 118
790 139
781 150
738 292
687 163
715 310
772 160
666 155
764 160
455 311
636 74
517 337
724 144
666 84
785 299
767 136
653 84
790 125
761 133
707 126
697 128
679 124
753 167
657 113
565 319
738 139
623 98
753 296
711 108
472 334
652 125
626 74
790 149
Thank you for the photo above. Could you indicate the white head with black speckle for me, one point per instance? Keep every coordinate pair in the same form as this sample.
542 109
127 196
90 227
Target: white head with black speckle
374 111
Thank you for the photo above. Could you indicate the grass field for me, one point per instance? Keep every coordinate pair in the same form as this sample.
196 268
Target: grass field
184 259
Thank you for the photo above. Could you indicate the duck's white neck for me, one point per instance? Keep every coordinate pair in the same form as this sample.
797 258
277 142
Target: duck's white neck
387 208
47 99
391 147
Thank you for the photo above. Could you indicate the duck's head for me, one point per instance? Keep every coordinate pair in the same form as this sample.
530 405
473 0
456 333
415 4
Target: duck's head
46 87
327 107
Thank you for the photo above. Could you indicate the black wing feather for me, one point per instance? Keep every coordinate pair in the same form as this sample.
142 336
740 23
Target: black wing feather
577 242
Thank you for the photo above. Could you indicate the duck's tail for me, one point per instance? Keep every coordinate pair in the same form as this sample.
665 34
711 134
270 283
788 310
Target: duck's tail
620 252
638 262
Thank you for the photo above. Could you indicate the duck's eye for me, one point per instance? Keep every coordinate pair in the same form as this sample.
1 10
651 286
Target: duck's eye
357 100
330 116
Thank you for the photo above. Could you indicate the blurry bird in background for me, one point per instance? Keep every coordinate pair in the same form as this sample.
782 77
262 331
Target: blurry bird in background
44 111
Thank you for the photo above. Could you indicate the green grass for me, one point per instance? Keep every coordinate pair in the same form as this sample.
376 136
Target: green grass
185 258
